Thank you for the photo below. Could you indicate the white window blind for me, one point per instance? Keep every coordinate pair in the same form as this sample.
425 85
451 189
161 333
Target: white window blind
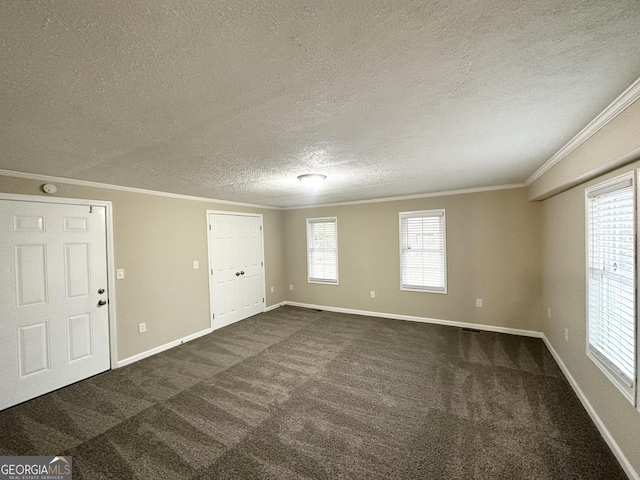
611 281
423 262
322 250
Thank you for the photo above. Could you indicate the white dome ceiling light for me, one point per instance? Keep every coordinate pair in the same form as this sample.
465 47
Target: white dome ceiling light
312 180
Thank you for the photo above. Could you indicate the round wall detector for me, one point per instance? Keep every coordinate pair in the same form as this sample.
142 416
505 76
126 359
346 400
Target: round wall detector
49 188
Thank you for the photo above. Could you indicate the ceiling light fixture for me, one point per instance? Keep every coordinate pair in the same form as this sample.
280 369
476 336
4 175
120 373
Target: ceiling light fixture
312 180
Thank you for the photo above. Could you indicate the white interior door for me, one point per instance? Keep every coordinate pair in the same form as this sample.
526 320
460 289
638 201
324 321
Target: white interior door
53 311
236 267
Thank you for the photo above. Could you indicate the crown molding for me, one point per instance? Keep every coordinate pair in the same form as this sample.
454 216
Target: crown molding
412 197
107 186
620 104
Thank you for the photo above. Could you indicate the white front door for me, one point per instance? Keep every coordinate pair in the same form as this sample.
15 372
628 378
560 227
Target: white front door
236 267
53 284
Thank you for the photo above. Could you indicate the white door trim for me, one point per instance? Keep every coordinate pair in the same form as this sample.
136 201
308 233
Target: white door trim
264 277
111 271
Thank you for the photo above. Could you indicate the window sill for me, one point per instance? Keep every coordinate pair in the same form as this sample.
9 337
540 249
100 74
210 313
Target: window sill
423 290
628 392
318 282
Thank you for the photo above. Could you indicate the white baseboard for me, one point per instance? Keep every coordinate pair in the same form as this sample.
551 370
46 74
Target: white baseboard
274 306
615 448
410 318
162 348
180 341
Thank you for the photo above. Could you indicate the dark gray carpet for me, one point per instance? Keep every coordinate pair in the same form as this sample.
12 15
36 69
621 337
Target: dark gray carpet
301 394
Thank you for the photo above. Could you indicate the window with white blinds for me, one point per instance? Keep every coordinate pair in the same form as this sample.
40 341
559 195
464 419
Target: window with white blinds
423 251
322 250
611 284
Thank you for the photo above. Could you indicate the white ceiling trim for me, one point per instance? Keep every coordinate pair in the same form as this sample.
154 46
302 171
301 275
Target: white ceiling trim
412 197
84 183
620 104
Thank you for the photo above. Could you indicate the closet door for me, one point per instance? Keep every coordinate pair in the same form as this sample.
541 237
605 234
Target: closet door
236 267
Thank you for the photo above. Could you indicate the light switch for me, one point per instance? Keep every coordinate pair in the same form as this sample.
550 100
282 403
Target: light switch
120 273
195 264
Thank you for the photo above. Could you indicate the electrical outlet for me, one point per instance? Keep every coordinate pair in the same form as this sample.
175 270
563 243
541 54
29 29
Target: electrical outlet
548 312
566 334
373 294
273 289
120 273
195 264
291 286
142 327
478 302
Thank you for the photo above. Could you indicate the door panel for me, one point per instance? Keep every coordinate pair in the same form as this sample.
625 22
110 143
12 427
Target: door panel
73 224
23 223
33 348
76 269
235 250
31 274
52 263
79 331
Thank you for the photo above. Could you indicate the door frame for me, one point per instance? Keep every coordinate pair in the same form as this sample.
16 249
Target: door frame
210 266
111 271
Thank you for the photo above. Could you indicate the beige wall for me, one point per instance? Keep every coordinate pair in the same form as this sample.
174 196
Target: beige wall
564 291
156 240
493 250
615 146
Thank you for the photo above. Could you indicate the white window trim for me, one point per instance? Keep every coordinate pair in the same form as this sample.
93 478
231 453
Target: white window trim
319 282
630 393
425 213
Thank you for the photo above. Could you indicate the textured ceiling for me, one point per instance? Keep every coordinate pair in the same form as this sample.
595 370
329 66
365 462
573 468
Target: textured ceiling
233 99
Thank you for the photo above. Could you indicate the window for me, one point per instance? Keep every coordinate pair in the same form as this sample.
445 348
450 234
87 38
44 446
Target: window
611 298
423 251
322 250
